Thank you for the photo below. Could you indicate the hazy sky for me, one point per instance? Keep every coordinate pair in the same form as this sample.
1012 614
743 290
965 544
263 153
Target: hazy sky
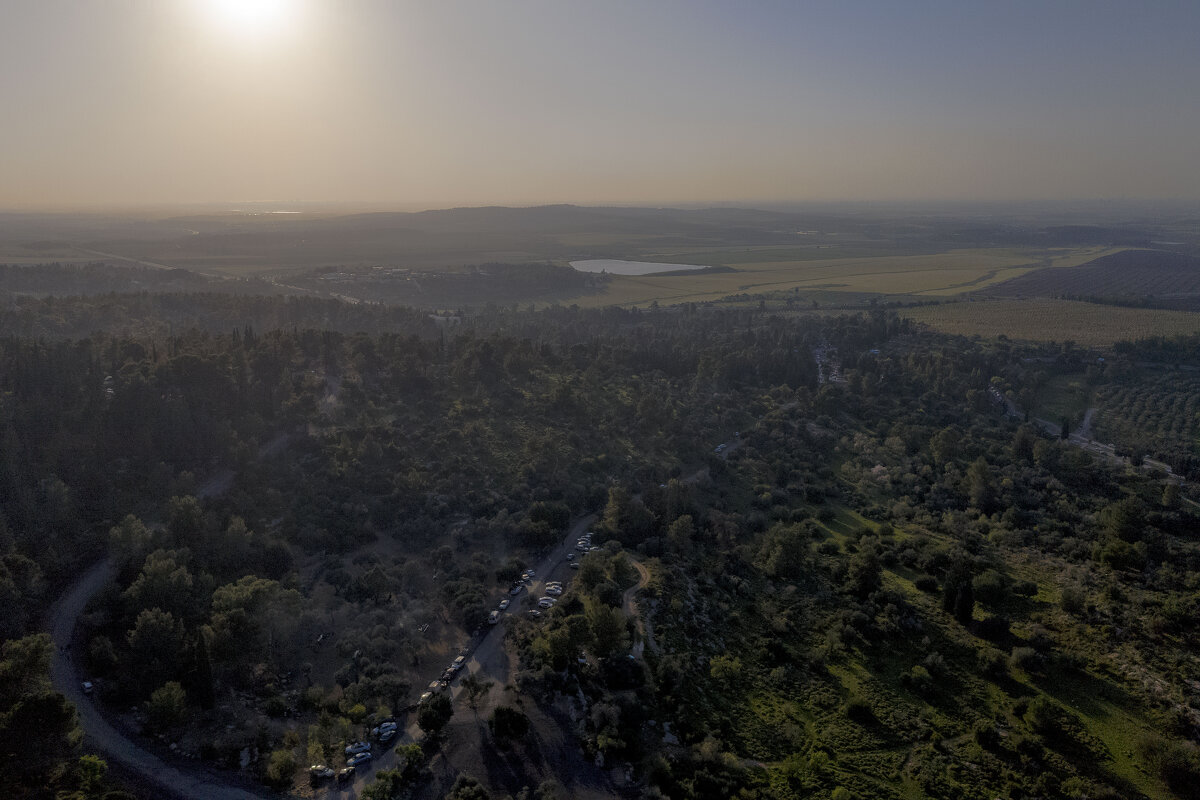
465 102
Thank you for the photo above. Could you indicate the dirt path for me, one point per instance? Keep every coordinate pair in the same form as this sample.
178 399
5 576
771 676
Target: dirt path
631 609
169 781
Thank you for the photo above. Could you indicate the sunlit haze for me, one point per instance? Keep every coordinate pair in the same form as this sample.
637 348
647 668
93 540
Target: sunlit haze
469 102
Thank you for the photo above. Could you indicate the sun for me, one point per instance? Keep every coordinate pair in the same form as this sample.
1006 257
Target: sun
253 19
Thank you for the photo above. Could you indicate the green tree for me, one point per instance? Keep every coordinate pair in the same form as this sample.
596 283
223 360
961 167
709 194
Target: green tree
475 689
865 574
154 646
607 625
434 714
979 485
467 788
508 723
281 768
163 583
167 706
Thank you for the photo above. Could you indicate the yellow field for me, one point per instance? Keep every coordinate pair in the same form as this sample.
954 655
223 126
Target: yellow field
1054 320
940 274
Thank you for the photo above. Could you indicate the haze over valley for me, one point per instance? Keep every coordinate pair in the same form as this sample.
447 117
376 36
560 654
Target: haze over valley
553 400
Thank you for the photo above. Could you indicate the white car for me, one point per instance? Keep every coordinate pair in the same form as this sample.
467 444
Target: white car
493 618
554 591
533 612
458 663
504 603
545 602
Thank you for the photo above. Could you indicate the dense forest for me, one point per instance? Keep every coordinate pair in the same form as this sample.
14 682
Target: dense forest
881 585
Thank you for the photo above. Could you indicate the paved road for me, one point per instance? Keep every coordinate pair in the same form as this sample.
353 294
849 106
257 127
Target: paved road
487 657
111 743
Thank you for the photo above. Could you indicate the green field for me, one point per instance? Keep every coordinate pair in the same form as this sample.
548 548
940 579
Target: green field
1054 320
774 269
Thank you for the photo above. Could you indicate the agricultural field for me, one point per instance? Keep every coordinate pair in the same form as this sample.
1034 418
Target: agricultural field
1129 273
1160 412
1044 319
938 274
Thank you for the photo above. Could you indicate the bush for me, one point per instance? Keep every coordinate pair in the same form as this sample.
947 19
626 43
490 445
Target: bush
926 583
991 588
1073 600
994 629
986 736
281 768
993 664
859 710
276 706
1025 658
166 706
1177 763
508 723
919 679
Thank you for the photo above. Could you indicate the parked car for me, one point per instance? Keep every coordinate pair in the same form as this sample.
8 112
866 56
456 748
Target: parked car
387 736
382 728
358 758
458 663
424 697
87 687
533 612
554 591
320 772
504 603
574 565
357 747
545 602
570 556
345 774
493 617
516 590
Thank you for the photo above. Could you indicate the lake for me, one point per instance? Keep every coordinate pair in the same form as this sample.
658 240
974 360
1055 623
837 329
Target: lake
614 267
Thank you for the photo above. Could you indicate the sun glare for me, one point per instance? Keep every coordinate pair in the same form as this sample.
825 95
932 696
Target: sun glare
253 19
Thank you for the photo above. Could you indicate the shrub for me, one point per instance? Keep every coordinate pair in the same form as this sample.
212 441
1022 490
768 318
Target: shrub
994 629
1025 658
276 706
993 664
926 583
166 706
991 588
859 710
281 768
1177 763
508 723
919 679
1073 600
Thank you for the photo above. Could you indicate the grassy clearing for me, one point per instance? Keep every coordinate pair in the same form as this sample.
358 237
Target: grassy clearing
1054 320
1064 396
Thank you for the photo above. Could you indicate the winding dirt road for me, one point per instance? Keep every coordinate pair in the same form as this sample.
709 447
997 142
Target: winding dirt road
111 743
